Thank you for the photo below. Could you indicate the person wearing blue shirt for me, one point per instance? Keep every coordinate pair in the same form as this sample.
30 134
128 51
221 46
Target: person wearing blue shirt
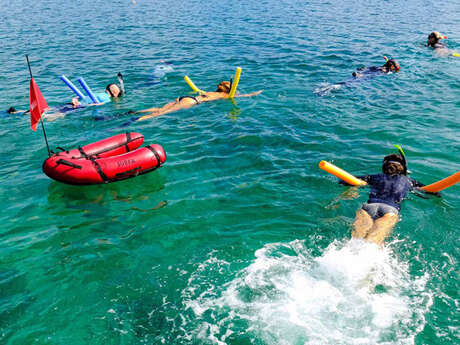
377 217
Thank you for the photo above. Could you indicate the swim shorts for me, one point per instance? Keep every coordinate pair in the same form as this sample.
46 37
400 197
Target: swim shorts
378 209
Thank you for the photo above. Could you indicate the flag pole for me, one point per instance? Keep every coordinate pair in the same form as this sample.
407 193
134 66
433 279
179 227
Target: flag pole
43 127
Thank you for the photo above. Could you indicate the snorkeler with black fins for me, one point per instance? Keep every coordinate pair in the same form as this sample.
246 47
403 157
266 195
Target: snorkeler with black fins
377 217
363 73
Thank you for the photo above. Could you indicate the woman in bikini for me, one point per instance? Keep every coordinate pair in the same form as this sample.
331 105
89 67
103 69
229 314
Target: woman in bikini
185 102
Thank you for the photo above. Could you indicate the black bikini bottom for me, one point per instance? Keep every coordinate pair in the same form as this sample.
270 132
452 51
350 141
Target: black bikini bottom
192 97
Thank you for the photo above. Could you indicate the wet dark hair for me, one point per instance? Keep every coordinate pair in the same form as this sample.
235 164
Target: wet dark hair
394 165
433 37
224 86
11 110
107 88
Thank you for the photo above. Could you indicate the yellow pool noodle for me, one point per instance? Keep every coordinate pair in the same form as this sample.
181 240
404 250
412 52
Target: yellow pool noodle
443 184
236 80
341 174
192 85
456 54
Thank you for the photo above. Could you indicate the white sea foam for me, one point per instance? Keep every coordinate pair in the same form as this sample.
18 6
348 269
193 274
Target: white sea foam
354 293
162 69
326 88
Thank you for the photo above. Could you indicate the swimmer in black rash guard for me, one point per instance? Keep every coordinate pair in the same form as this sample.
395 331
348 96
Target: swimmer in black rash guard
376 219
390 66
363 73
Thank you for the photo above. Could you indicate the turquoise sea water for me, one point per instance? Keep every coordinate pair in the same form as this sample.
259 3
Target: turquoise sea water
239 238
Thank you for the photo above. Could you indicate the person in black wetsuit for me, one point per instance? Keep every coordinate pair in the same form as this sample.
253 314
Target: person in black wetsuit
391 65
362 73
377 217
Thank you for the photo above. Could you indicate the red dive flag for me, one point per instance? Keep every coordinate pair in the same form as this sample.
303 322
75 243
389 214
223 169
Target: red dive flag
37 104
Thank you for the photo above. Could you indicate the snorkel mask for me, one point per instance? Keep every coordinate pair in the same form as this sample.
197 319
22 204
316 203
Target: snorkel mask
122 83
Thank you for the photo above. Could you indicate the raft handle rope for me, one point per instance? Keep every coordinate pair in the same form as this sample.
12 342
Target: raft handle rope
128 172
157 156
70 164
61 149
99 169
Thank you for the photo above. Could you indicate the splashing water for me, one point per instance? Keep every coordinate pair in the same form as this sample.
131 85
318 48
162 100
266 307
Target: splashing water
162 69
354 293
325 89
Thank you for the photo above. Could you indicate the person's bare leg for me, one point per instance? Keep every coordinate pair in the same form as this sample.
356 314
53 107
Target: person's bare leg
362 224
382 228
149 110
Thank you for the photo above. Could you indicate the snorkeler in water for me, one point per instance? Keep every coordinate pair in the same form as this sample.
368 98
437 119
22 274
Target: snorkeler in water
434 41
185 102
13 110
390 66
362 73
377 217
114 91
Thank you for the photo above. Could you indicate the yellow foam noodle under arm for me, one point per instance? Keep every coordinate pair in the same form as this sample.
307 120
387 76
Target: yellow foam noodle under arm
443 184
192 85
341 174
456 54
236 80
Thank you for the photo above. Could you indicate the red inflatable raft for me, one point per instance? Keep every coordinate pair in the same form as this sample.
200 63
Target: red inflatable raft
109 160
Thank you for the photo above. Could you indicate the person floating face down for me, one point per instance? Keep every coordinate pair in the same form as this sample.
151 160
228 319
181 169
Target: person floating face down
390 66
377 217
113 90
363 73
184 102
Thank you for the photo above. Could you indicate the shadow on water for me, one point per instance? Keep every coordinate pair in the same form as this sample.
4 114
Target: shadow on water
142 193
14 300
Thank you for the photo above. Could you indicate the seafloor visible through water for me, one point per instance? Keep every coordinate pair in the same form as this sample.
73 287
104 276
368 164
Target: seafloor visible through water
239 238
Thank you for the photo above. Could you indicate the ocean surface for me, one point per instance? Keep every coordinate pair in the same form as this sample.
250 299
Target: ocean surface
239 238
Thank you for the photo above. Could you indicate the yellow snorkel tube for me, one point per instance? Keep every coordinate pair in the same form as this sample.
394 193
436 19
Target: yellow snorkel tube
235 82
232 92
192 85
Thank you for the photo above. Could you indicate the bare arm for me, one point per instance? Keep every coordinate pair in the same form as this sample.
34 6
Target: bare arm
255 93
145 117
